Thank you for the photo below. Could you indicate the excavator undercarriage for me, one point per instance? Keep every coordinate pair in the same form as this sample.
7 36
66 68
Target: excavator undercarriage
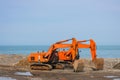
77 65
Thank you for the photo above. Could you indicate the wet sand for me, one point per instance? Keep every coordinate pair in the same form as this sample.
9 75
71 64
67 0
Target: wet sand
10 72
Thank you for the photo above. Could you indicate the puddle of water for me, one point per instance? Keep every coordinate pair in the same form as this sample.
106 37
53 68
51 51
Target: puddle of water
6 78
23 73
117 79
110 76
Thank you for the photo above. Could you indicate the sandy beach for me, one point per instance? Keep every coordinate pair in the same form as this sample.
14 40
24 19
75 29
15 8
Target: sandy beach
12 69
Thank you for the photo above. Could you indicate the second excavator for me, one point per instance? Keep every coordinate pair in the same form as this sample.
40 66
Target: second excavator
98 62
72 55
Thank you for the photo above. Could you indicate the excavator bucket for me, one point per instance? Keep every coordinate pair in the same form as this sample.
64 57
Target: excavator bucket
78 65
98 63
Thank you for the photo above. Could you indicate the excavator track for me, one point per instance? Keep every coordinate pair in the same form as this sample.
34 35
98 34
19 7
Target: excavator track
38 66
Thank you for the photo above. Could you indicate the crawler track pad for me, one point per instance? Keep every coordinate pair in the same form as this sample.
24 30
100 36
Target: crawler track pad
40 67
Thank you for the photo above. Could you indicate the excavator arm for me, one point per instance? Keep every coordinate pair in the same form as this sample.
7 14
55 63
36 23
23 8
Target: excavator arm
91 45
58 44
98 62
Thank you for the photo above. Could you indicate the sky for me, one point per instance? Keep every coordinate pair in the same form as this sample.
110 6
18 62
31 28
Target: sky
43 22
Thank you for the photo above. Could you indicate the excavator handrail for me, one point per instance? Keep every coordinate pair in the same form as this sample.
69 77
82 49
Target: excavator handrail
59 42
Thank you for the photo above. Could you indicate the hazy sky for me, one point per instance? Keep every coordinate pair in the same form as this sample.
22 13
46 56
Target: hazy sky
43 22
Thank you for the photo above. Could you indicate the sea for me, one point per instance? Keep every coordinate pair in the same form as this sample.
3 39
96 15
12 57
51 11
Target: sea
104 51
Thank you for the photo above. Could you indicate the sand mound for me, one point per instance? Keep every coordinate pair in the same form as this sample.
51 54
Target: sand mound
111 62
23 63
10 59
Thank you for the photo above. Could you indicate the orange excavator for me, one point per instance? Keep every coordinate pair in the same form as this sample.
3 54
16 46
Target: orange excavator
72 55
98 62
50 59
55 58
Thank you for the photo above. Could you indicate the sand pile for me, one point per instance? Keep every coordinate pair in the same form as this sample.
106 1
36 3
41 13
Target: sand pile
10 59
109 63
23 63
